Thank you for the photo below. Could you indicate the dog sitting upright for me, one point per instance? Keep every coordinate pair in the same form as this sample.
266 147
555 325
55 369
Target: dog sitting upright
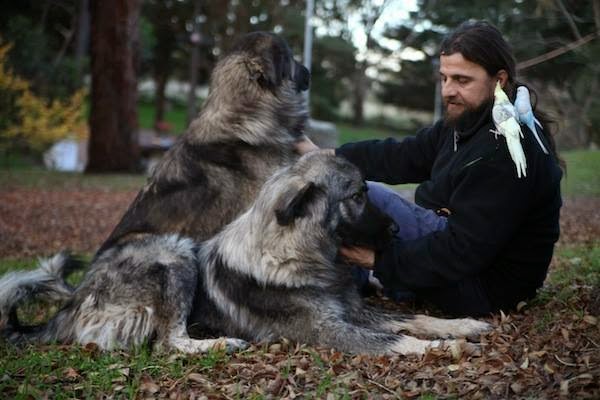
270 273
245 131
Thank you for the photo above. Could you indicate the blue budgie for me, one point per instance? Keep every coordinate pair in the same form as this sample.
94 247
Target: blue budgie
525 114
507 125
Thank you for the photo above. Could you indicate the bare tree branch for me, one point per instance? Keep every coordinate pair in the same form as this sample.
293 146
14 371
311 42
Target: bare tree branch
569 19
596 6
556 52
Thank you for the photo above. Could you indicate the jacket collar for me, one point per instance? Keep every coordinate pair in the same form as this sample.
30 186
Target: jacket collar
484 118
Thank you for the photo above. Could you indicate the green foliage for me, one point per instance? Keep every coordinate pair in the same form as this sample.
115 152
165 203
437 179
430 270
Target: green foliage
36 56
413 87
30 121
333 64
532 28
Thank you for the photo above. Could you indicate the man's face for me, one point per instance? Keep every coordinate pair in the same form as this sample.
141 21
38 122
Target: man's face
465 85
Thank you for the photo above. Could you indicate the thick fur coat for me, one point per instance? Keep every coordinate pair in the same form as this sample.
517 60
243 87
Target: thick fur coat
270 273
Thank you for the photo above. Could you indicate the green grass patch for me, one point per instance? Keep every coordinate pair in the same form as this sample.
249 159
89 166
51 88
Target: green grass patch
175 115
9 264
63 372
34 177
573 267
576 265
349 133
583 173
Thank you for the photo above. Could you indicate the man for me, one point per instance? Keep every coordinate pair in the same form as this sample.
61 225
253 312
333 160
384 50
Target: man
480 239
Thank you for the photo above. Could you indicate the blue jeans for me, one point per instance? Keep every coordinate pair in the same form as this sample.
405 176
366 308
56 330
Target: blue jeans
413 222
466 297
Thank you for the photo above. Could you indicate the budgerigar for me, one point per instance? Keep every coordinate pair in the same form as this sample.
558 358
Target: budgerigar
507 125
525 114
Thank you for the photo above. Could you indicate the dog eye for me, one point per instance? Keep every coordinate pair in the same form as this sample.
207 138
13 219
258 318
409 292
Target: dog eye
357 196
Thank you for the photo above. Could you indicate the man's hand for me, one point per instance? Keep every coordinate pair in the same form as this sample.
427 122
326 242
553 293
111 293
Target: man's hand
305 145
361 256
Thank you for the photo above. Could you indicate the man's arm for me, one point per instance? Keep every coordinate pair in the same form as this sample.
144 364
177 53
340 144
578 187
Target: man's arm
305 145
487 207
407 161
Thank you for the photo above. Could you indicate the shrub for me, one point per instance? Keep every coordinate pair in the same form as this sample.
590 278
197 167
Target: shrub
32 122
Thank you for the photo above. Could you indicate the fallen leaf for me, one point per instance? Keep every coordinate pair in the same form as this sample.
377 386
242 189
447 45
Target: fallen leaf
525 363
516 387
147 385
564 387
71 373
196 377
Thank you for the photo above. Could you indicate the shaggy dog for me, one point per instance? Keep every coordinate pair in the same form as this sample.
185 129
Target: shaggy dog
270 273
254 113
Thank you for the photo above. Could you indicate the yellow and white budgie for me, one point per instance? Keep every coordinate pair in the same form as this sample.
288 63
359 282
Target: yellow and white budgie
507 125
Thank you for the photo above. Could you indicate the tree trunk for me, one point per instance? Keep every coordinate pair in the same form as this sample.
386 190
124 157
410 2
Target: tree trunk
113 143
194 64
161 99
166 42
359 94
83 36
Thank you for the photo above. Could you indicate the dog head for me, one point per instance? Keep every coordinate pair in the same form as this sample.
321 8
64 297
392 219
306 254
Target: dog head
330 192
256 94
291 234
269 61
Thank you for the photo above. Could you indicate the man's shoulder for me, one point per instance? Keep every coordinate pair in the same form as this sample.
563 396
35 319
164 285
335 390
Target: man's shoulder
439 126
437 133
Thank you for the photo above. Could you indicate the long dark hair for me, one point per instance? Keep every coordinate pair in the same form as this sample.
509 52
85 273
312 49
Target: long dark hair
482 43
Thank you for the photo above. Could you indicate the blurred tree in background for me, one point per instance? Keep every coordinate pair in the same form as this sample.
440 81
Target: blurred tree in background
113 144
360 50
567 85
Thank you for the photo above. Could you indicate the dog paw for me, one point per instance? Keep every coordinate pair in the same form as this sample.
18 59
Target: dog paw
231 345
473 328
460 347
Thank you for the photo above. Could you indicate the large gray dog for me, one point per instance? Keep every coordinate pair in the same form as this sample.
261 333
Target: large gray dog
268 274
254 113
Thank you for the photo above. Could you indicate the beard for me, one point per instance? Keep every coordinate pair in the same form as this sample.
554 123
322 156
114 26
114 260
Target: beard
469 117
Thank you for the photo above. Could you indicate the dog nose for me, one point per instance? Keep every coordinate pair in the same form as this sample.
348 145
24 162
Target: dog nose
302 78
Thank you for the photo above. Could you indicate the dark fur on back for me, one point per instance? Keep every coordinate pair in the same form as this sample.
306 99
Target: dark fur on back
253 114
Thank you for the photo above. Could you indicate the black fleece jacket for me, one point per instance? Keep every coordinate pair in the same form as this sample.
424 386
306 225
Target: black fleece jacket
500 228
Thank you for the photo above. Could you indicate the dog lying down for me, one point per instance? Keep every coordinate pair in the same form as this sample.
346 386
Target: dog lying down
268 274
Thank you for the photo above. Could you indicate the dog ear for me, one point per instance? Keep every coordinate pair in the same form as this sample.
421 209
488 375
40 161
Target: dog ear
292 204
268 70
255 69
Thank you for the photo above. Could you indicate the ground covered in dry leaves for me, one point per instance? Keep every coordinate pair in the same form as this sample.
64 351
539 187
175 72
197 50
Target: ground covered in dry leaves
550 348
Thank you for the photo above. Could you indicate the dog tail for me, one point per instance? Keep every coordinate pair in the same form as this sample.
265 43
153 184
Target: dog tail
46 282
